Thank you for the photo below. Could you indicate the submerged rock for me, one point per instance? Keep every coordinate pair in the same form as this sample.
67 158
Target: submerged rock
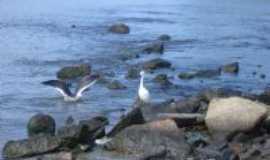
155 47
119 28
148 141
116 85
234 114
164 37
156 64
72 72
163 80
41 124
133 73
208 73
231 68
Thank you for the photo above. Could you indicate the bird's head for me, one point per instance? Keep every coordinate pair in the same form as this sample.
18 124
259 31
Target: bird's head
142 73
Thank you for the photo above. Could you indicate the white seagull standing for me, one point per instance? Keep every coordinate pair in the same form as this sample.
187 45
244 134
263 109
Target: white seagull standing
143 93
62 87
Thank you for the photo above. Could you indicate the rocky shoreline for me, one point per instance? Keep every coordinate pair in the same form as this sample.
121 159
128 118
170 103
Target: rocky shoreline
215 124
220 124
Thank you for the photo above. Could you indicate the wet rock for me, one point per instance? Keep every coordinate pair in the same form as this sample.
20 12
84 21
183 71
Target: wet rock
156 64
128 53
69 121
140 140
85 132
265 96
41 124
209 94
135 116
155 47
186 75
197 139
116 85
262 76
164 37
234 114
162 125
53 156
184 119
133 73
231 68
188 105
32 146
208 73
73 72
163 80
73 26
119 28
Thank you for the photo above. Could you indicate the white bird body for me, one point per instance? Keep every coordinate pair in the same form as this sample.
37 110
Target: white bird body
143 93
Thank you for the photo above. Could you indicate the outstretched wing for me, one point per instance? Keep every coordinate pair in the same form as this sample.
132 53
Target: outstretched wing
85 83
60 86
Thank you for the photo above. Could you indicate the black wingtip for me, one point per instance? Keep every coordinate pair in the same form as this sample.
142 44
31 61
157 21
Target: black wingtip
50 82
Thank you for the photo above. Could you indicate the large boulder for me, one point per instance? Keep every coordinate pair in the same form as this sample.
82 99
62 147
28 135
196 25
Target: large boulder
119 28
41 124
32 146
155 47
73 72
156 64
85 132
160 140
135 116
234 114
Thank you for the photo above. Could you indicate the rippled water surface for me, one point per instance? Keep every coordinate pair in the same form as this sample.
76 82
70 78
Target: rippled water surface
36 40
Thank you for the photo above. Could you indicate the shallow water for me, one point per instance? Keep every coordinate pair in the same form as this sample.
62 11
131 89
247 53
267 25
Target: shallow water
36 40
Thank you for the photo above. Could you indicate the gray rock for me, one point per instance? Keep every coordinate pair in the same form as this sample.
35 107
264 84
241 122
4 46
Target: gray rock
32 146
234 114
85 132
135 116
164 37
156 64
73 72
163 80
145 141
265 96
209 94
53 156
186 75
155 47
208 73
231 68
41 124
133 73
119 28
116 85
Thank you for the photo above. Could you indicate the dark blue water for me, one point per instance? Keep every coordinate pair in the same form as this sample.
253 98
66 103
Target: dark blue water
36 40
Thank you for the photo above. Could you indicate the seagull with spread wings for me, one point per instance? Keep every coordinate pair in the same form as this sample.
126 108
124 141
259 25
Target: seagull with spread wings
63 88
